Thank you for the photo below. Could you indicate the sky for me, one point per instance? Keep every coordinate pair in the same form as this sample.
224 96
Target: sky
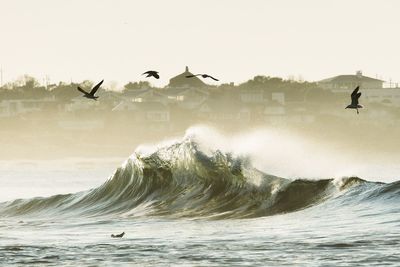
233 40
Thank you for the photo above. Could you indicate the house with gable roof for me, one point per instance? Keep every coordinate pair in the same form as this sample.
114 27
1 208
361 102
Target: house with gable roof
187 93
145 95
342 83
144 111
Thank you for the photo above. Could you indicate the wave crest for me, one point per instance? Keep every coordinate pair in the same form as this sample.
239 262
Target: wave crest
183 180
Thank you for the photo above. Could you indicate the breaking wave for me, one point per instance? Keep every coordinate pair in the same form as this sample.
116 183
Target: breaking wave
183 179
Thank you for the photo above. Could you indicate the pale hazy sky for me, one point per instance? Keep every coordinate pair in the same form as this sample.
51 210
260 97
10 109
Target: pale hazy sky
232 39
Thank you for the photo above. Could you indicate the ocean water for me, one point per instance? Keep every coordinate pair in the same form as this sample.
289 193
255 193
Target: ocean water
198 202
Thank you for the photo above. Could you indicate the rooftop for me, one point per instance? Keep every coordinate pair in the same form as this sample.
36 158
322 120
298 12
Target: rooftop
180 80
358 77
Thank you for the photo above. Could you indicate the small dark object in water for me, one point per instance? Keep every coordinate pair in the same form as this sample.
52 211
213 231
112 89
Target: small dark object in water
118 236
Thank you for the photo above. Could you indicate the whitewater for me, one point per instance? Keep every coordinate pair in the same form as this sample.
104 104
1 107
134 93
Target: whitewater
205 199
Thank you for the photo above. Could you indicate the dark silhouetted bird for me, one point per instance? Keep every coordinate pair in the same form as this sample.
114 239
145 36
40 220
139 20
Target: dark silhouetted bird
354 100
152 73
203 76
92 92
118 236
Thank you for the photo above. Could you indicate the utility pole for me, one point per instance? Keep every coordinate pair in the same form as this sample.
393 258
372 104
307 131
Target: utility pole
1 76
47 81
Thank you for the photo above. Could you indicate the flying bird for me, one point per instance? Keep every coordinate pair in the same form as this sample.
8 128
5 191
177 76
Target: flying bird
152 73
354 100
118 236
203 76
92 92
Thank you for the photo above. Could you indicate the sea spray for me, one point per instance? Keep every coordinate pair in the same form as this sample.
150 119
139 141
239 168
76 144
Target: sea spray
185 179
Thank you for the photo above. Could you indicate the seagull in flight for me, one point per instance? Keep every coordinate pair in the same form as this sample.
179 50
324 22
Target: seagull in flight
354 100
91 95
203 76
152 73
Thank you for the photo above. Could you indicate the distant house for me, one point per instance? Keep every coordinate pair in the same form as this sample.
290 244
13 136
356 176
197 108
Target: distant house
80 103
224 111
186 98
186 93
109 98
14 107
258 96
274 113
346 82
274 109
145 95
388 96
298 113
144 111
278 97
252 96
180 81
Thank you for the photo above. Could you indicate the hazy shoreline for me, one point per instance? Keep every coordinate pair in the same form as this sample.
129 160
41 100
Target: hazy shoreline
361 140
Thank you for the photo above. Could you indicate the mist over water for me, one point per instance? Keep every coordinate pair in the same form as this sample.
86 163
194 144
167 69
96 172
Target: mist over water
40 178
266 165
212 198
292 155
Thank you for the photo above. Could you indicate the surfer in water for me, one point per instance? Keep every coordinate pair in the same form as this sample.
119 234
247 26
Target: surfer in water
118 236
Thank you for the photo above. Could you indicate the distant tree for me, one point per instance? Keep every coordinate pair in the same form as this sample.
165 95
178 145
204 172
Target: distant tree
65 92
318 95
86 84
24 87
30 82
262 82
113 85
294 90
137 85
25 81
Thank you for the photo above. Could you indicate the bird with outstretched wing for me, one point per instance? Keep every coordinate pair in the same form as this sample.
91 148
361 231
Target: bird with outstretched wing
152 73
92 92
203 76
355 95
